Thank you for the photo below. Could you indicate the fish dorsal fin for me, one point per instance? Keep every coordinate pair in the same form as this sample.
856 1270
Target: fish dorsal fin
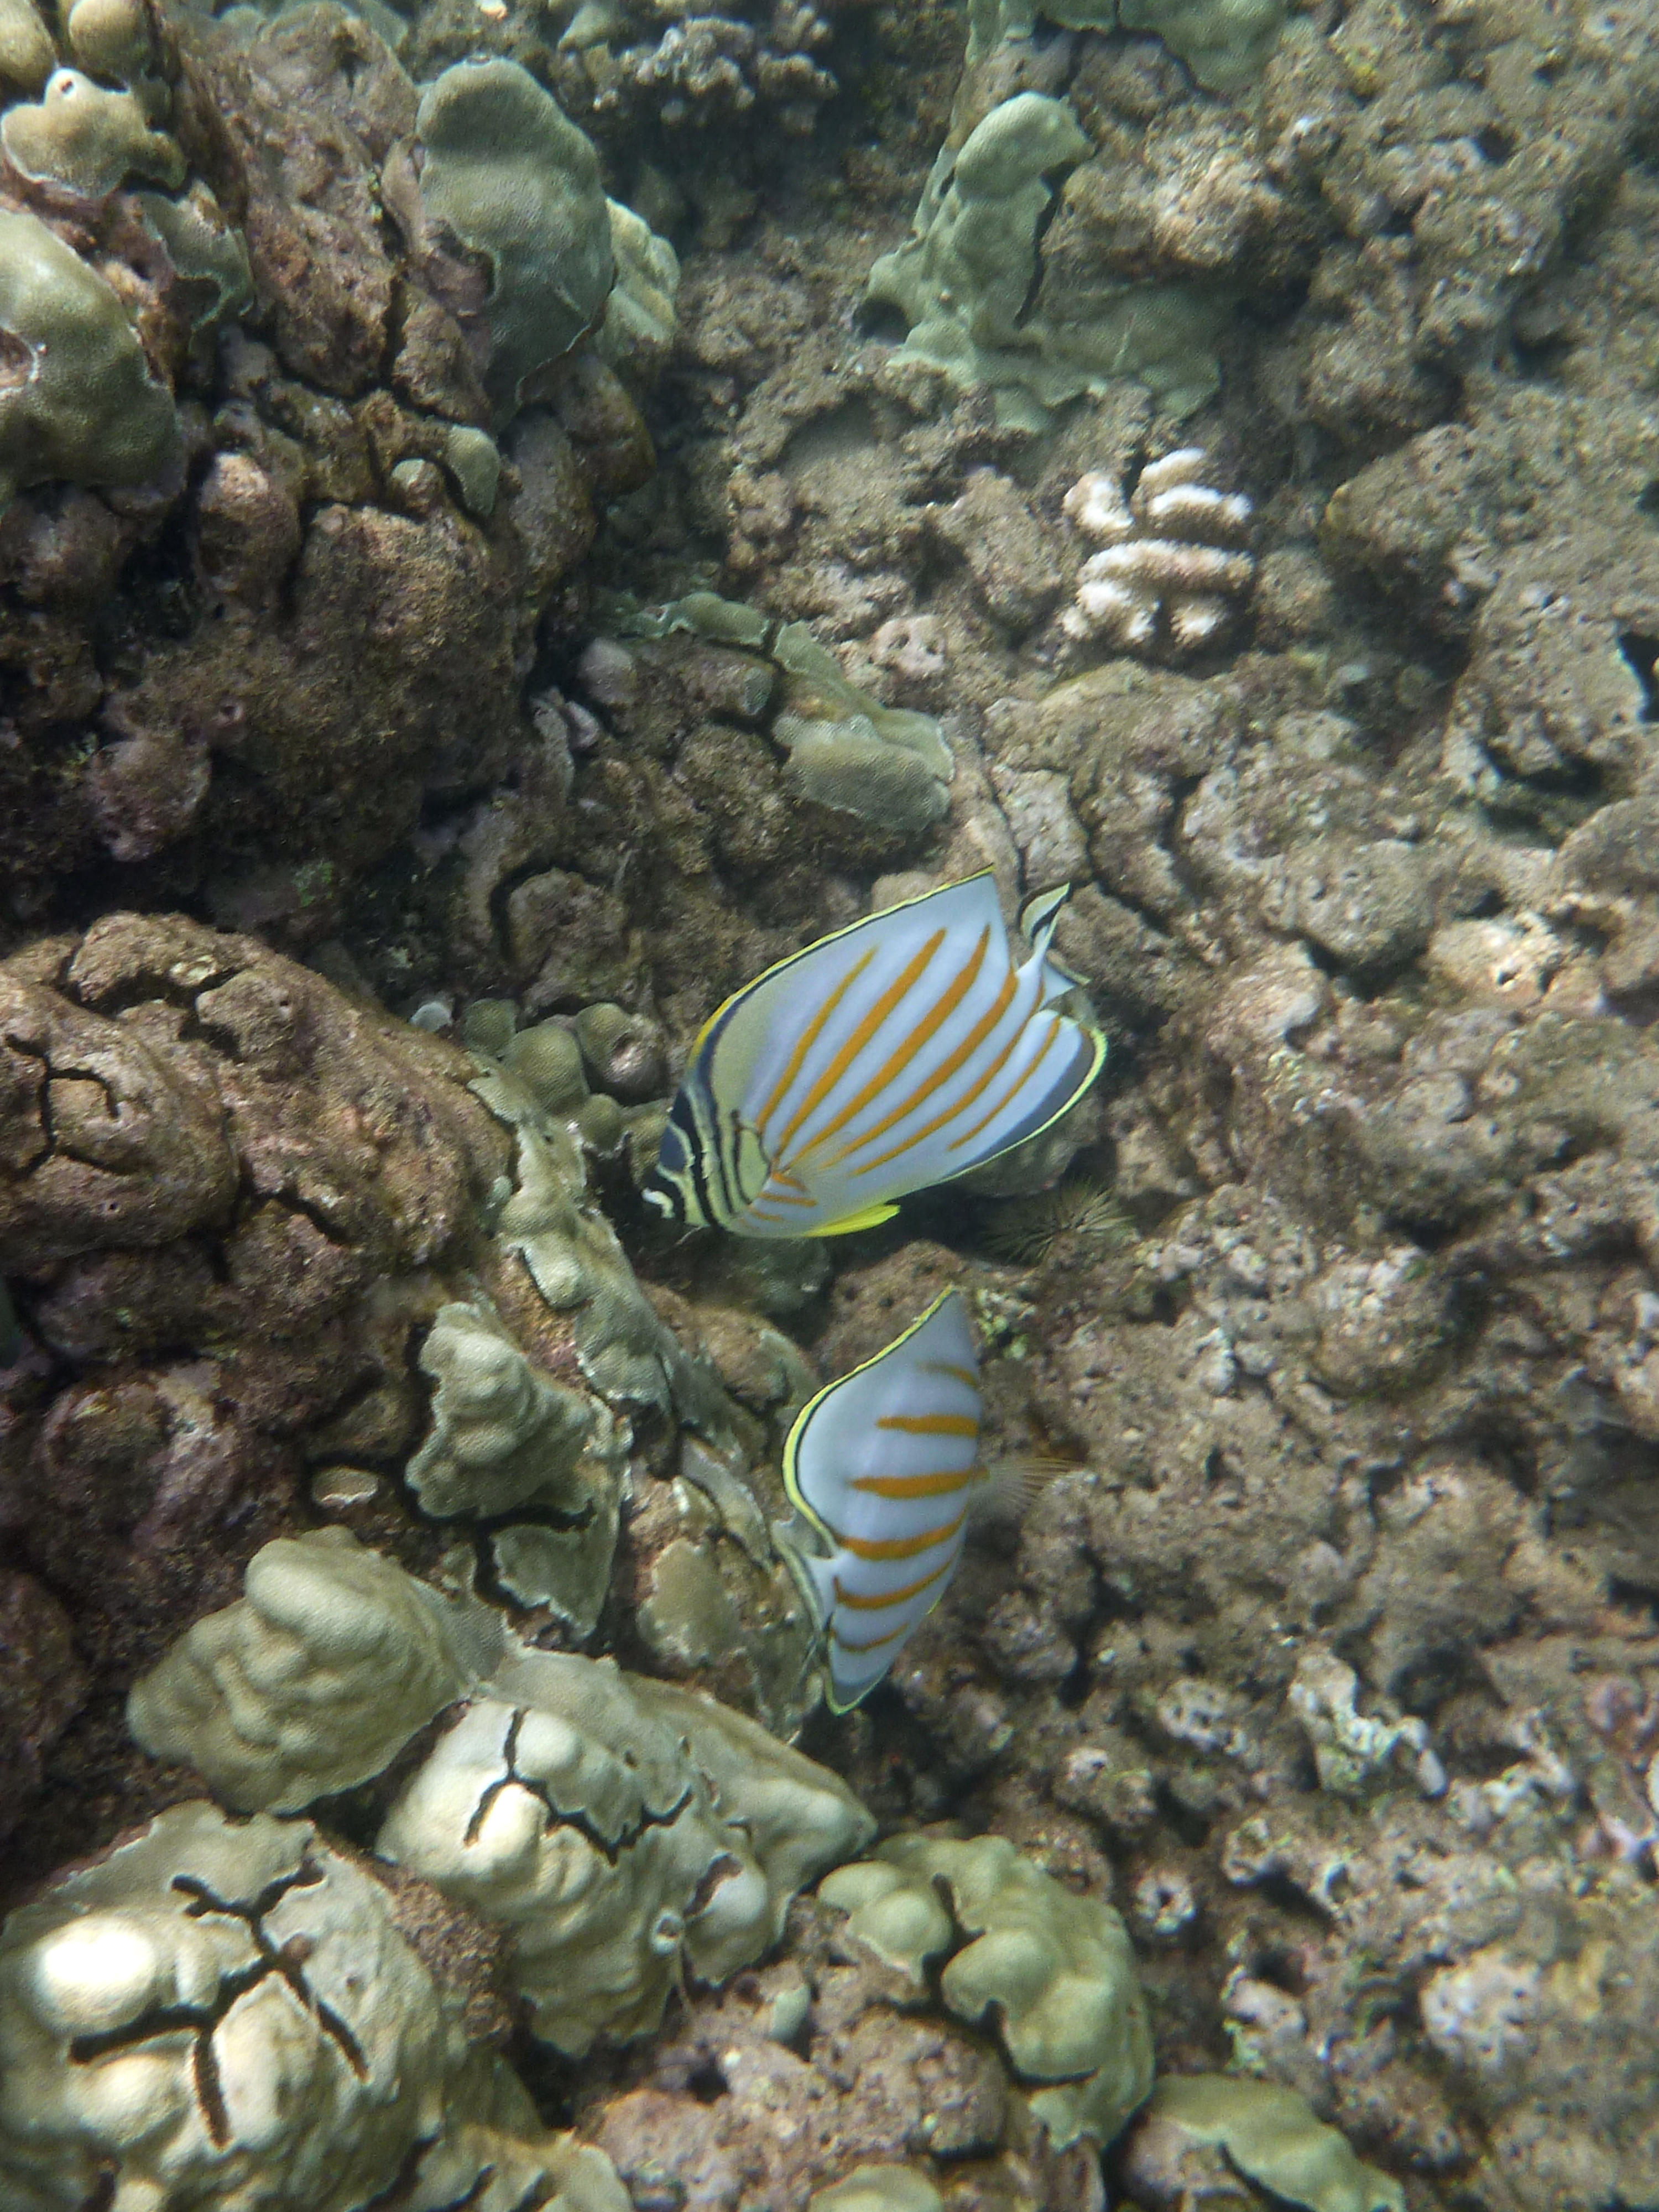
1037 919
1039 914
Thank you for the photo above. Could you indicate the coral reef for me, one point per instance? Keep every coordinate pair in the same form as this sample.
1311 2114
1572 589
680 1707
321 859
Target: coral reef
542 653
261 728
242 1208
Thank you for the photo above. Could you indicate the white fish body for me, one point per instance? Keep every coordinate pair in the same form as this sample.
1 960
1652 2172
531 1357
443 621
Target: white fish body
885 1467
897 1053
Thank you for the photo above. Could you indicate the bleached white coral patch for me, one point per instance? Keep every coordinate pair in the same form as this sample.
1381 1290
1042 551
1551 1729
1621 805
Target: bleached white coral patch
1174 564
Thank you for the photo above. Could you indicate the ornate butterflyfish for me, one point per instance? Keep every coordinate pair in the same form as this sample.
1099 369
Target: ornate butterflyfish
885 1473
895 1054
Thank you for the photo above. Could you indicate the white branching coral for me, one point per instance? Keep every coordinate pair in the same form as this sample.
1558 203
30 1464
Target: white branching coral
1173 565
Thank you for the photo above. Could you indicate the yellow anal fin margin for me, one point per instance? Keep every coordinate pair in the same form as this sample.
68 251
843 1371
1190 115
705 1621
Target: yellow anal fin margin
869 1219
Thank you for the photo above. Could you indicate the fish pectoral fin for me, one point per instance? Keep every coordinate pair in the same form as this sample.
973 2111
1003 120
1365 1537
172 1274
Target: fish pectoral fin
871 1217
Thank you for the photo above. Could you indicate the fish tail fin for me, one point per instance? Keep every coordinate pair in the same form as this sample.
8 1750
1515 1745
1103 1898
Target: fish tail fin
1010 1487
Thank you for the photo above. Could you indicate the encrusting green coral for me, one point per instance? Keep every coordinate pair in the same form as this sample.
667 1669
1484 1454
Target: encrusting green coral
1055 1971
968 282
89 409
1270 2134
878 2189
87 140
887 764
639 320
514 180
204 249
572 1254
225 2016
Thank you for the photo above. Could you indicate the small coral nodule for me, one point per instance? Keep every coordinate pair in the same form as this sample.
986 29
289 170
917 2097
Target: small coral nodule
1174 568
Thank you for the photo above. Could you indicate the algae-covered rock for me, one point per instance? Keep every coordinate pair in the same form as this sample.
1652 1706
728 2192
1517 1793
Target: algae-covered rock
889 765
968 282
312 1682
89 410
1266 2132
224 2015
87 140
1224 43
509 177
1053 1970
622 1831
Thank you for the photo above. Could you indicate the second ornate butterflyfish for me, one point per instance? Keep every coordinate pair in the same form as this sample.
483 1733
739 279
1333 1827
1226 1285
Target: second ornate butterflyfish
885 1473
897 1053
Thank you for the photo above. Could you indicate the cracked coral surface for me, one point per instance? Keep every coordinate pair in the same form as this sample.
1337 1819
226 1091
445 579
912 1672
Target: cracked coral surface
227 2014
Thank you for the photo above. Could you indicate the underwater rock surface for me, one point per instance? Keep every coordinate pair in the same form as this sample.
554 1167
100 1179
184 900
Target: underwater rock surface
481 578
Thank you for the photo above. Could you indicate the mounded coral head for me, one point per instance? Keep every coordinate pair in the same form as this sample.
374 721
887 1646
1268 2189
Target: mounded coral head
111 39
224 2015
1055 1970
515 181
312 1682
887 764
28 55
623 1830
89 409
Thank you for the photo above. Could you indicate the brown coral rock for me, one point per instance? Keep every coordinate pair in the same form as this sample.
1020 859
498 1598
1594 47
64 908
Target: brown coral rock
230 1190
